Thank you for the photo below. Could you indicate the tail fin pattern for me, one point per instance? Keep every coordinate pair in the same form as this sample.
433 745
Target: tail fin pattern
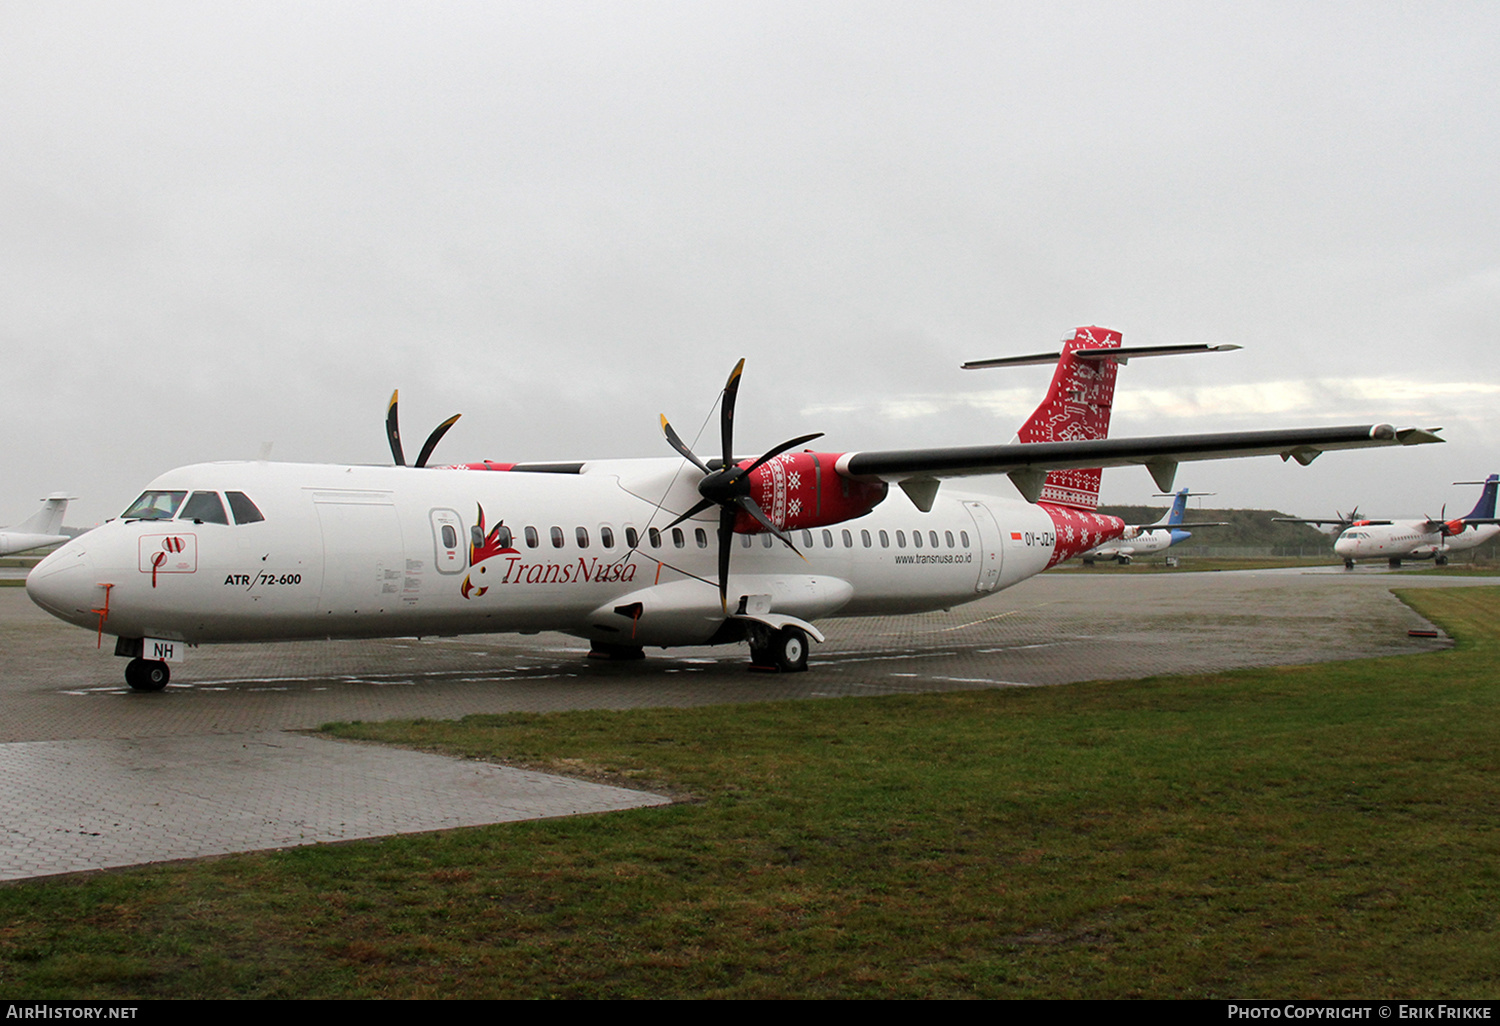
1076 408
1179 506
1486 506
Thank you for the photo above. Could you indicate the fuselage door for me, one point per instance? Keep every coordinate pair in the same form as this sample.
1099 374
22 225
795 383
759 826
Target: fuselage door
449 554
363 561
989 548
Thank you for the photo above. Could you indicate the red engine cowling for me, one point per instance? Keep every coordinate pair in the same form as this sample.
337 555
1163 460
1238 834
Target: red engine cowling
802 489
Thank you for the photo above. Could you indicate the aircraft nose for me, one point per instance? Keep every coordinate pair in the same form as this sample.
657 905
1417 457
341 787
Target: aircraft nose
63 584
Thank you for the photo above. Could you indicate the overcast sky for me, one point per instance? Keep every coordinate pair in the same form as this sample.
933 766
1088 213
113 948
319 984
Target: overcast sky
227 224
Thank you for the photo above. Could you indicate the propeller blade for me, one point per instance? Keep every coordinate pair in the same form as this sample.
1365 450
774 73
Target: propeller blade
728 487
783 447
433 439
726 411
701 505
677 444
393 431
750 506
726 544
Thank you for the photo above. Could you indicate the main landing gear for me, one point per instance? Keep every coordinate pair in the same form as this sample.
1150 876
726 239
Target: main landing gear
784 650
147 674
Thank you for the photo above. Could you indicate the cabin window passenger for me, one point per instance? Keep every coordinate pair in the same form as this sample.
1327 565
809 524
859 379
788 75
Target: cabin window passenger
503 536
948 537
963 536
932 537
677 538
848 539
450 537
243 509
607 537
632 538
582 534
807 539
532 539
916 539
205 508
654 536
864 537
702 537
765 540
885 540
744 541
900 539
827 538
154 506
557 537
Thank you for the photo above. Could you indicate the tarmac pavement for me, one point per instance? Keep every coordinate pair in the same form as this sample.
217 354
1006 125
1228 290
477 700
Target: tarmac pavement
93 775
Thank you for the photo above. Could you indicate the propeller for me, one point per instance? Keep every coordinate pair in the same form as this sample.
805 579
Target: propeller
729 486
393 434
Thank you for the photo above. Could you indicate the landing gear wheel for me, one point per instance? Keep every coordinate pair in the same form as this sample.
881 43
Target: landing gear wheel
1441 561
789 650
147 674
1348 564
618 653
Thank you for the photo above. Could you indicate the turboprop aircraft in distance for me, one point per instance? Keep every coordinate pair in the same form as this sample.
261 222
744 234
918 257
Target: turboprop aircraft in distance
1395 540
624 553
38 530
1149 539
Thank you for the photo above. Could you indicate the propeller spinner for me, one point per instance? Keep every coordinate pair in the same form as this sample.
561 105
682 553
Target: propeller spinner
729 486
393 434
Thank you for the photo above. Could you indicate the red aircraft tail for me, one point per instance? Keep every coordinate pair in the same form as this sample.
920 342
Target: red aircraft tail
1076 409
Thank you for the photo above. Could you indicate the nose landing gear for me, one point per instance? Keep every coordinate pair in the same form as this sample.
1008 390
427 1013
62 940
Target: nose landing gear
147 674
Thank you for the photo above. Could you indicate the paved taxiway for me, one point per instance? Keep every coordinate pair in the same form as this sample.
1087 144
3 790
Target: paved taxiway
93 775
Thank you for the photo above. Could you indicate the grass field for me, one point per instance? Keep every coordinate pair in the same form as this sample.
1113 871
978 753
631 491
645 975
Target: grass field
1323 831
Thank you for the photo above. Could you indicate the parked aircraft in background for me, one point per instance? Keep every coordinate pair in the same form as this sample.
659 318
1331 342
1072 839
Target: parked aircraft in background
624 553
1395 540
1149 539
38 530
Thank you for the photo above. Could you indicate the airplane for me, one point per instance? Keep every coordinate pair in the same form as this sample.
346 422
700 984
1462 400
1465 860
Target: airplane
623 553
1395 540
38 530
1149 539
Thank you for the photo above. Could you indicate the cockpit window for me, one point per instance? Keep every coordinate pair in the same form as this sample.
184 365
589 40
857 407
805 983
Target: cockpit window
154 506
206 508
244 510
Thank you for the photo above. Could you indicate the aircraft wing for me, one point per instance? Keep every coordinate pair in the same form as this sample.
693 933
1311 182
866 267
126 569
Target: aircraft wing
1027 464
1332 523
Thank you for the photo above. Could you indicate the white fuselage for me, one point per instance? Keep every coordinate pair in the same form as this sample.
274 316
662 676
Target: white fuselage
1408 539
22 541
1137 541
356 551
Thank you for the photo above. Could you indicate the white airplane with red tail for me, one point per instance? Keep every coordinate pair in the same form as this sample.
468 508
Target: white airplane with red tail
623 553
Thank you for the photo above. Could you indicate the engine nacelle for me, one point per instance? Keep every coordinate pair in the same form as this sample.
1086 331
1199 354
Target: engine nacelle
802 489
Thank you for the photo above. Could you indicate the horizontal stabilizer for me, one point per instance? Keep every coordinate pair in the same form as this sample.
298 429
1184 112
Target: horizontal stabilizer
1119 354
